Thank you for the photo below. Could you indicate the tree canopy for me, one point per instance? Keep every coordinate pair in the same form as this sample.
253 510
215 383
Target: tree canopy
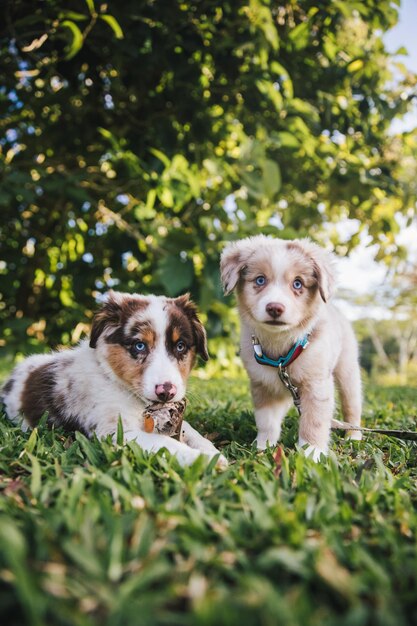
138 136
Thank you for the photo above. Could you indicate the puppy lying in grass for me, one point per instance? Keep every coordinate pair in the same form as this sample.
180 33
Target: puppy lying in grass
140 352
283 290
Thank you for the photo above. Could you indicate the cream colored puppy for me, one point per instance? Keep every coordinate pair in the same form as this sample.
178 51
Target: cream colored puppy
283 290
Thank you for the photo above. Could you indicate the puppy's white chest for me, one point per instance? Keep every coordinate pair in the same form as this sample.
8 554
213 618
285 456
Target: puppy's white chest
264 375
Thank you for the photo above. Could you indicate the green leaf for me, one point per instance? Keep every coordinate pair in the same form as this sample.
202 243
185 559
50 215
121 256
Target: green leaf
354 66
114 25
91 7
300 35
31 443
268 88
279 69
105 132
119 437
85 560
150 199
304 108
142 582
73 15
175 275
161 156
35 479
12 540
287 140
89 449
285 79
287 559
330 48
271 178
143 212
167 198
115 568
77 38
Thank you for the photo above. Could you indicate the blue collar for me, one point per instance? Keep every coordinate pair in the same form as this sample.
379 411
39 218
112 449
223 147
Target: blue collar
282 361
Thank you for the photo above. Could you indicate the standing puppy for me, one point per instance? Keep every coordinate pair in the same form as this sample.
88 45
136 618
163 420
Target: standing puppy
283 290
141 350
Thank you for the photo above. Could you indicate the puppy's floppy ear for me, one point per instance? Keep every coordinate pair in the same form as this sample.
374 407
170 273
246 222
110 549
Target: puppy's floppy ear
189 308
232 262
235 256
323 266
230 267
323 282
108 315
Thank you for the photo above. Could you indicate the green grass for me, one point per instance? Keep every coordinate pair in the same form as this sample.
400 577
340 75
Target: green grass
97 534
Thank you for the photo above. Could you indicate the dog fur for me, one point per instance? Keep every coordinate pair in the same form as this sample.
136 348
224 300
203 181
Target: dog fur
141 350
292 300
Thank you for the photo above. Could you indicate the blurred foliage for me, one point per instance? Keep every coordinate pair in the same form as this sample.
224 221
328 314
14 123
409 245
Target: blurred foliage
139 136
389 350
387 330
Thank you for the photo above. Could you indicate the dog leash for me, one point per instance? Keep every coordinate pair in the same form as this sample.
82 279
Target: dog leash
281 365
409 435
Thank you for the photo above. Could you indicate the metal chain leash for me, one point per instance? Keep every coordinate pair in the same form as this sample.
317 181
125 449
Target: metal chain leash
293 389
406 435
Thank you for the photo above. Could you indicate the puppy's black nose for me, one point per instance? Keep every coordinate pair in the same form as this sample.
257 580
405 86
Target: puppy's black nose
165 391
275 309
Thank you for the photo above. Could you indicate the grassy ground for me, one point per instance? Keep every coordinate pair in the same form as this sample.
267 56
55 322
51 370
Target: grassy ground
92 533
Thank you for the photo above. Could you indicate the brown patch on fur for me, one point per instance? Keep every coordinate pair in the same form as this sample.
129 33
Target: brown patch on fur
185 323
247 290
124 366
114 314
39 396
7 387
176 335
117 336
148 336
295 245
319 278
38 393
142 331
180 329
260 267
305 270
313 264
186 365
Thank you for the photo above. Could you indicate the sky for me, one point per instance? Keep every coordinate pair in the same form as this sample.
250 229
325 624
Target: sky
359 272
404 33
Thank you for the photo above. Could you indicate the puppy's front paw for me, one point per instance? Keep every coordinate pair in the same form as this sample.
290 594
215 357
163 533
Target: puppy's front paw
222 462
185 455
265 441
191 455
354 435
311 452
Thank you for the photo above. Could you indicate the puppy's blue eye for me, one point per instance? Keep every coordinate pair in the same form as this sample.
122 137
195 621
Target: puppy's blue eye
297 284
260 280
181 347
139 347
